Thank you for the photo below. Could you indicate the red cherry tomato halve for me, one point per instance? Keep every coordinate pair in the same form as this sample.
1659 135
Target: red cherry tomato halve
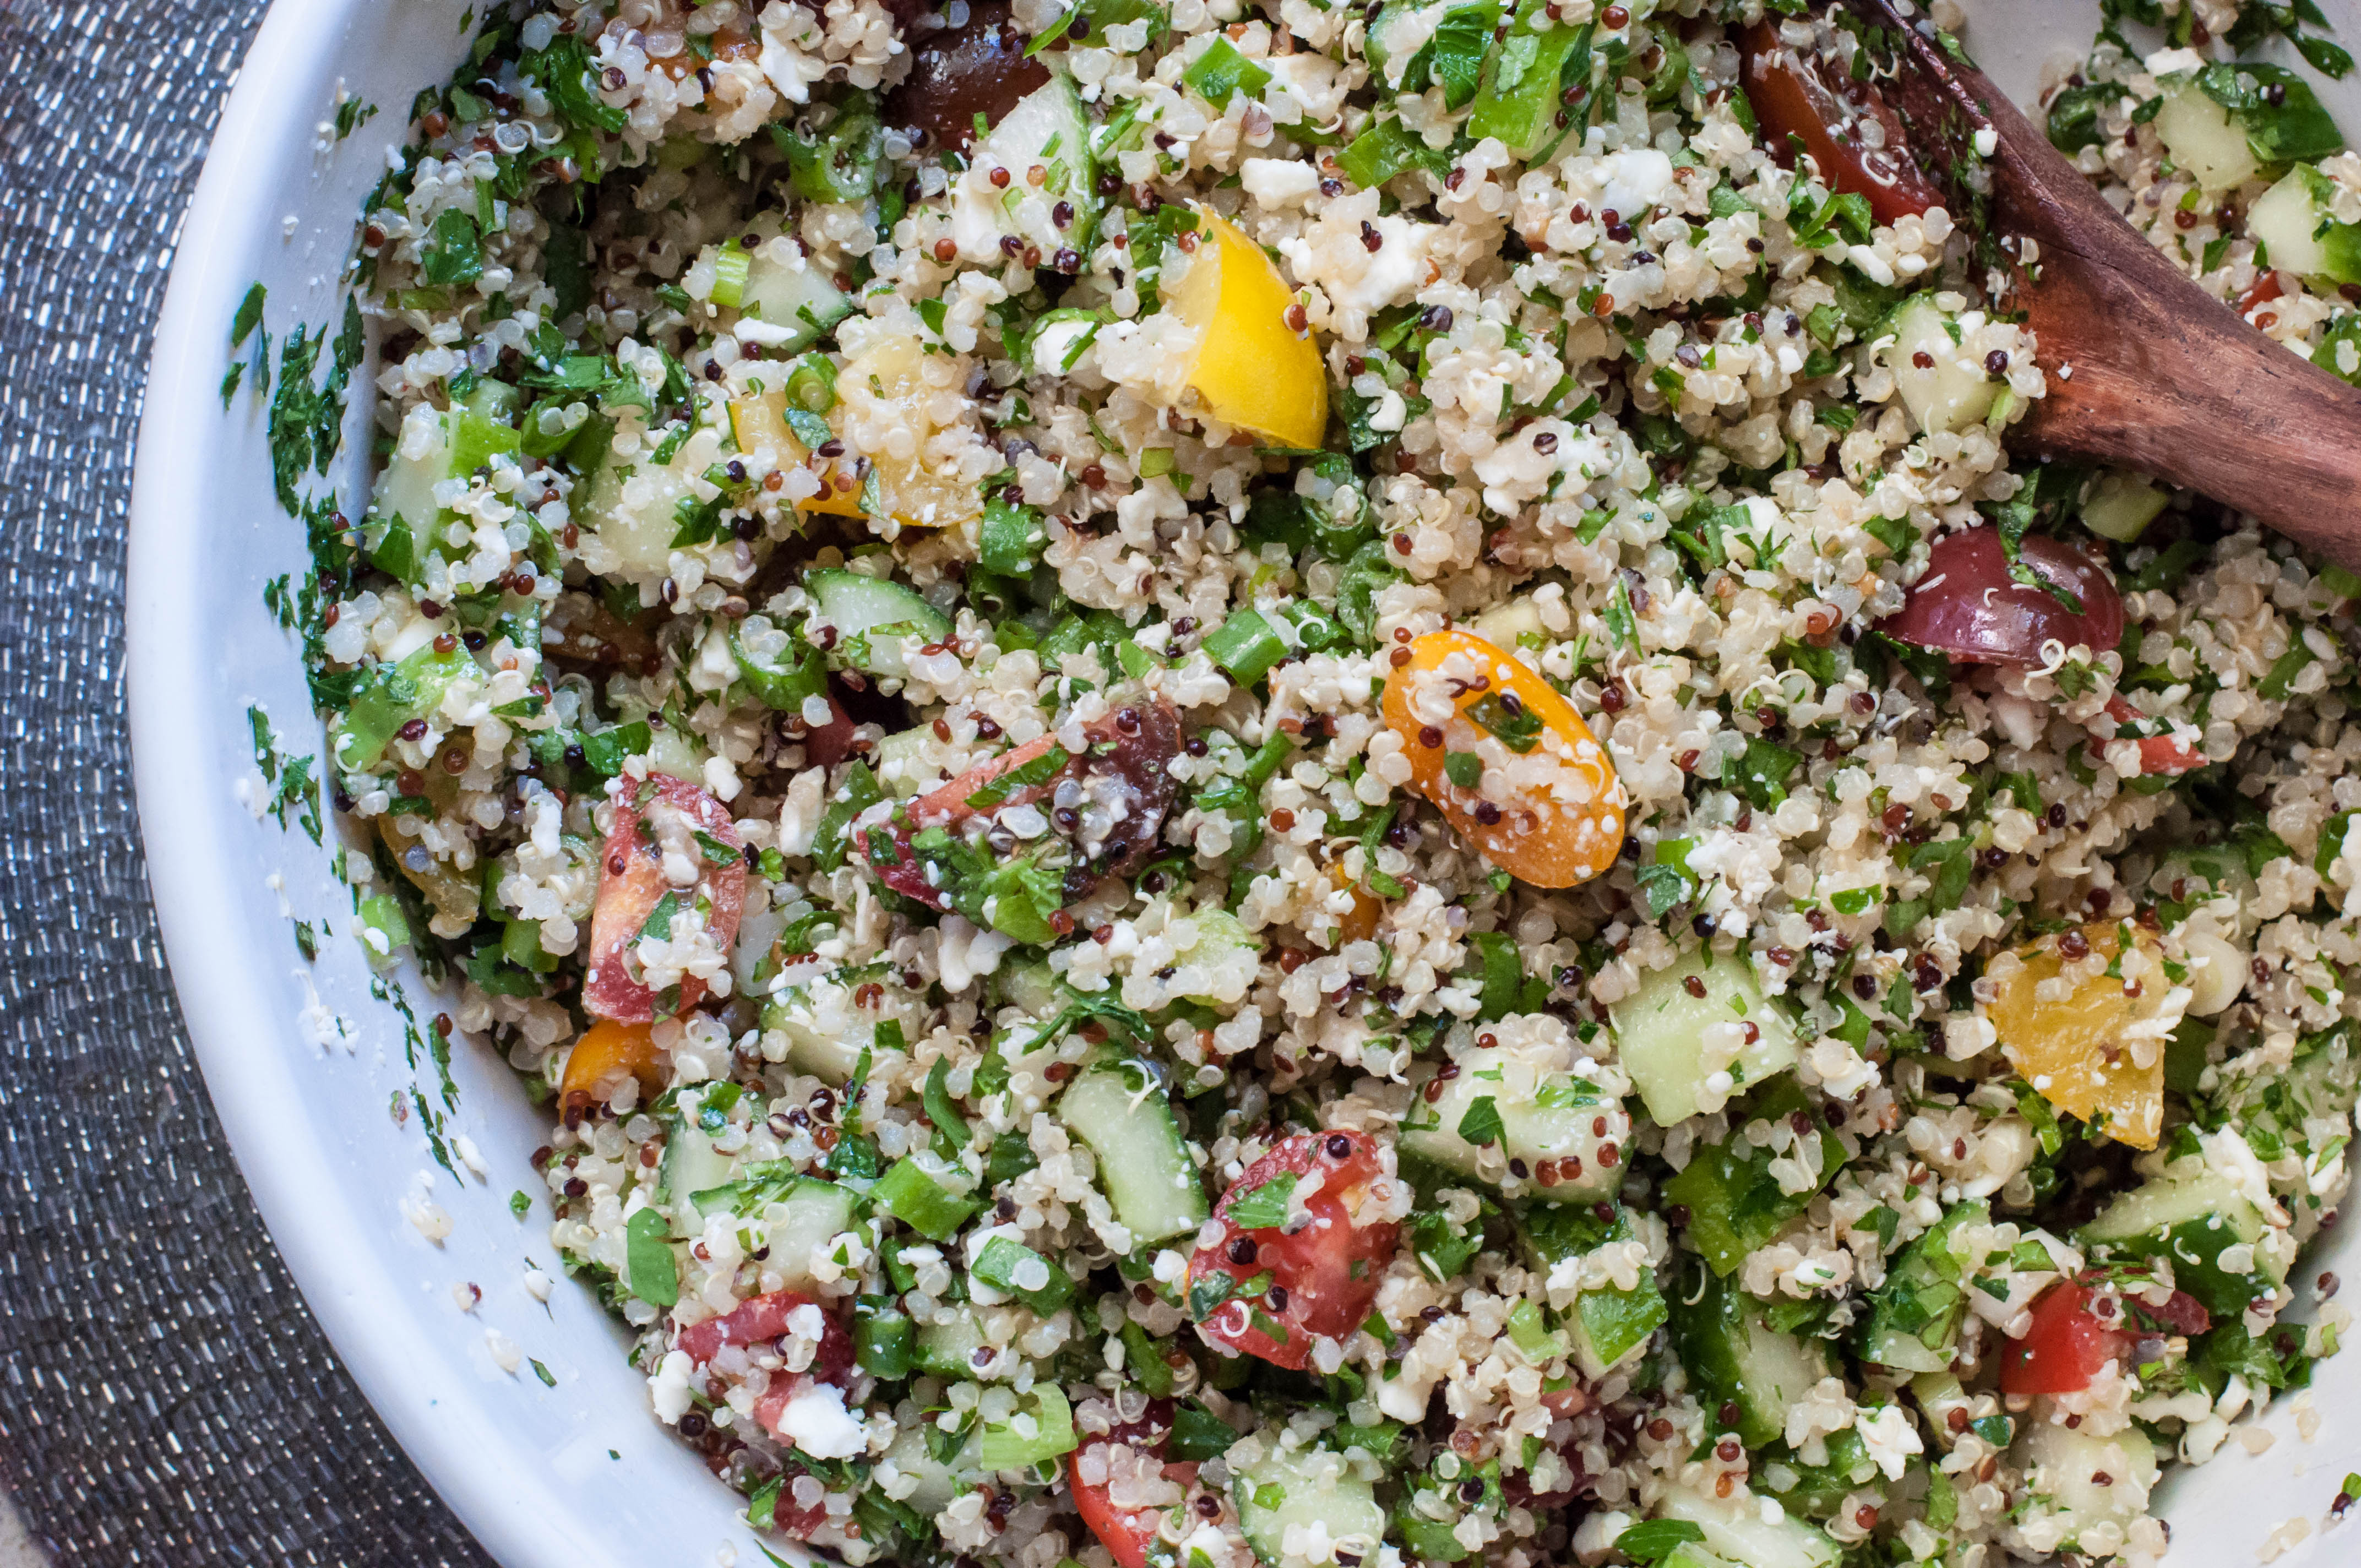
2158 753
1126 1533
1134 745
2064 1347
630 883
1324 1277
766 1318
1792 98
1966 605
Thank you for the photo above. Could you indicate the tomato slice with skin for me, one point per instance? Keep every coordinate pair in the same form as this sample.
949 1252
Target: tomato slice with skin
1793 98
631 881
2065 1345
1126 1533
2158 753
1135 744
766 1318
1324 1277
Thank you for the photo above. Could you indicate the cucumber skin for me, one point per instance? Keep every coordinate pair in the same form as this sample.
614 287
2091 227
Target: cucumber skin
1734 1205
1722 1340
2219 1219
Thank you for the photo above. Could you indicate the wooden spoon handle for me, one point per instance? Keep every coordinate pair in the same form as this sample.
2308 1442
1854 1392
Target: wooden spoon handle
2146 370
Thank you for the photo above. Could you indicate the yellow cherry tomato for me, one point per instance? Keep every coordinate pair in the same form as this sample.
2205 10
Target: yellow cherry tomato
1534 790
759 422
1252 370
2082 1052
604 1050
888 384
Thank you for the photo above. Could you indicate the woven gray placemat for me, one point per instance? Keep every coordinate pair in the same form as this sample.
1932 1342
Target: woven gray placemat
165 1396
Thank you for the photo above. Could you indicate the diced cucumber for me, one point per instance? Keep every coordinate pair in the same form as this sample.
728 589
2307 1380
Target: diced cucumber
1031 986
946 1348
2204 139
405 521
1306 1486
2291 225
1914 1315
1689 1555
1737 1530
2087 1480
1119 1109
872 617
2193 1220
1660 1034
2122 506
901 761
1504 624
1952 390
1049 129
635 508
827 1029
938 1482
1733 1355
796 298
1541 1116
2227 122
813 1213
691 1163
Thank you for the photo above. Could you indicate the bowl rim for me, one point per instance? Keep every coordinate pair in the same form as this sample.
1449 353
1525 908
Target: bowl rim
443 1416
436 1408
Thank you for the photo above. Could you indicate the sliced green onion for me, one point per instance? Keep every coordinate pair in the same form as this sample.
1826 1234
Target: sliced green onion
1246 645
812 385
731 267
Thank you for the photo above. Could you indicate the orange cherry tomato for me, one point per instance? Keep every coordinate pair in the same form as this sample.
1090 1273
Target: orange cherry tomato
1547 807
2077 1051
606 1051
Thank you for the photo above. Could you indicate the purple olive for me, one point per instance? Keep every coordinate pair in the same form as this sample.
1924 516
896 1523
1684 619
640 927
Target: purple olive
960 73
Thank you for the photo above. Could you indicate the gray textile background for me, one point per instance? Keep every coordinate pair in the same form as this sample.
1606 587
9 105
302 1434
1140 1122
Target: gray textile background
165 1397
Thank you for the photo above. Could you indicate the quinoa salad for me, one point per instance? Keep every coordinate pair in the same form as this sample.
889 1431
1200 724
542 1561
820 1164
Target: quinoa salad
1271 784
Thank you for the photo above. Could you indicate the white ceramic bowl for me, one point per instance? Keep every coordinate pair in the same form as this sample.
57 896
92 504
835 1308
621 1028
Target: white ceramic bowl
575 1474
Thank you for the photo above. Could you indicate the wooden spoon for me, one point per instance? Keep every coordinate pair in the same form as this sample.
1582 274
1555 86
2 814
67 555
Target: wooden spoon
2147 372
